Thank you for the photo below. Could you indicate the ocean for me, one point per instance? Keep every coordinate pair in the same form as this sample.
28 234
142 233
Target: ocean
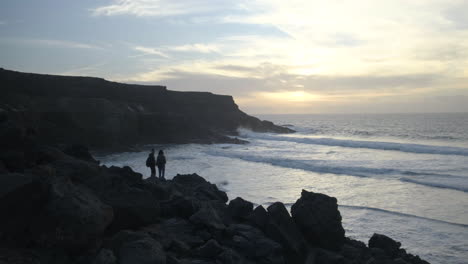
402 175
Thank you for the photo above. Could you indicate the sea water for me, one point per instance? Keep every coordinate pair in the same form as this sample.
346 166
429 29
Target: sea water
402 175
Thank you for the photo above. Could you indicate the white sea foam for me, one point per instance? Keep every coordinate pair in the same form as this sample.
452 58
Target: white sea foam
394 146
455 182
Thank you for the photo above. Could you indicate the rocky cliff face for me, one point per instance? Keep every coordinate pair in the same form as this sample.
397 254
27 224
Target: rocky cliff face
99 113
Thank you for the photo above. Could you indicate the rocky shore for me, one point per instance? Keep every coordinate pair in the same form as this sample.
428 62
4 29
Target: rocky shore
61 206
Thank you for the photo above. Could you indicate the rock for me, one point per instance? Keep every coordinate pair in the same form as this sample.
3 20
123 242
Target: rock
78 171
23 198
252 243
175 229
179 247
355 250
240 208
142 251
45 155
210 249
229 256
105 256
73 216
328 257
179 206
281 228
318 218
14 160
133 207
388 245
3 169
207 217
12 181
259 217
50 211
33 256
195 186
80 152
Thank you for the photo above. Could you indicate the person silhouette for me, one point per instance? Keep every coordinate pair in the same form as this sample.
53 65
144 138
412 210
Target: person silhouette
151 163
161 163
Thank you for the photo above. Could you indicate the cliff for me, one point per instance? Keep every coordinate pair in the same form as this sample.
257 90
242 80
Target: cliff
103 114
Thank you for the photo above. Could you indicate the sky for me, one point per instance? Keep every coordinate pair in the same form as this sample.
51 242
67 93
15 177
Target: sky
272 56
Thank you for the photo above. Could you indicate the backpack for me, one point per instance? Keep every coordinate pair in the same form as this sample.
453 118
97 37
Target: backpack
148 161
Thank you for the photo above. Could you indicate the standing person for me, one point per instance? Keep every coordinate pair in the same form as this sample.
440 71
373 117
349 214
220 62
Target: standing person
151 163
161 162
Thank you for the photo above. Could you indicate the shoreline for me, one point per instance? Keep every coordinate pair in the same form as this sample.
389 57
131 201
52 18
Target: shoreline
86 213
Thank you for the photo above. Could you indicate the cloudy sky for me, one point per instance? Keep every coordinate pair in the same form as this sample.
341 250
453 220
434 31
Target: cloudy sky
273 56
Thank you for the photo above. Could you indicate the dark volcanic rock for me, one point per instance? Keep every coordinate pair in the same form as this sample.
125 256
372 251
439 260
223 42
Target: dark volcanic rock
105 114
80 152
240 208
65 208
281 228
259 217
390 246
207 217
74 216
195 186
319 220
136 248
105 256
252 243
210 249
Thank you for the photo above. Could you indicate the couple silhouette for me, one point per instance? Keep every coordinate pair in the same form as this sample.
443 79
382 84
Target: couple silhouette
160 161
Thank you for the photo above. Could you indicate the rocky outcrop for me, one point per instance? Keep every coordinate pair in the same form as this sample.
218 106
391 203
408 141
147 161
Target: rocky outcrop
318 218
99 113
65 208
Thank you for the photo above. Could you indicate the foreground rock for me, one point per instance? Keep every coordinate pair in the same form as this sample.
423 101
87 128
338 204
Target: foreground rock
65 208
318 218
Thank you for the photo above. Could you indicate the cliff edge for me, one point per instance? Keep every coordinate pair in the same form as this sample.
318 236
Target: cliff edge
103 114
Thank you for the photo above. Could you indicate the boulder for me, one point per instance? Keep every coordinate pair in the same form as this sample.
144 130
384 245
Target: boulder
179 206
229 256
252 243
73 217
105 256
318 218
133 207
207 217
195 186
240 208
45 155
388 245
10 182
259 217
281 228
3 169
143 251
175 229
80 152
328 257
210 249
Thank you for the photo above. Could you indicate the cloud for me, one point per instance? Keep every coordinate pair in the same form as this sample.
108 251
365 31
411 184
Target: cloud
164 8
341 51
50 42
151 51
197 47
